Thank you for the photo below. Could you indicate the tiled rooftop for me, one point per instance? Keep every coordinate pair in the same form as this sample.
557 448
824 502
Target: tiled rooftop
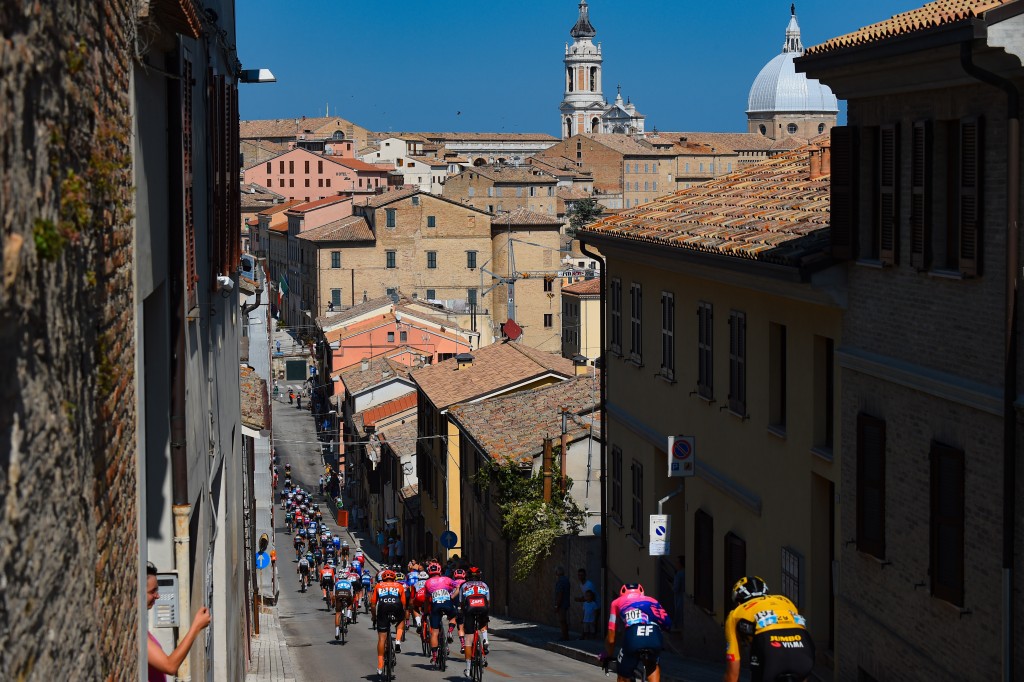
512 427
737 142
478 137
516 174
571 193
523 216
318 203
378 200
494 367
339 319
401 437
770 211
587 287
381 369
932 15
625 144
285 127
390 408
360 166
281 207
350 229
429 160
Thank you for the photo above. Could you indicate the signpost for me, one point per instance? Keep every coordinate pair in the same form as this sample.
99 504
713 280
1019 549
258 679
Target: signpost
681 458
660 532
448 539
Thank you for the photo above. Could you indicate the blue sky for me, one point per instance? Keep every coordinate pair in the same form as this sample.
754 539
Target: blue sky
479 65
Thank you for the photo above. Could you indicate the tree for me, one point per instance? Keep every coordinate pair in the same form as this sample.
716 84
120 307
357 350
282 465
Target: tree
582 213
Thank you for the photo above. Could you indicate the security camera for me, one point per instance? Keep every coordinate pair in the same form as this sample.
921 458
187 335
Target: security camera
225 284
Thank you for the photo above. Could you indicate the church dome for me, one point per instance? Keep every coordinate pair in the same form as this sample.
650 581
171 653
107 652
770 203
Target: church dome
780 89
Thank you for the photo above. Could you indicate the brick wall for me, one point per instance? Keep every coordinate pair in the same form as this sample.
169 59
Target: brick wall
66 324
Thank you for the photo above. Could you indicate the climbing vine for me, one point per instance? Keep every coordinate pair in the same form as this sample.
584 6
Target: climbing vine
529 522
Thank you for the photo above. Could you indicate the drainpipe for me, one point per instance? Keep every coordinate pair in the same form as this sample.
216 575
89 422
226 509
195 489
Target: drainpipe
1010 358
604 424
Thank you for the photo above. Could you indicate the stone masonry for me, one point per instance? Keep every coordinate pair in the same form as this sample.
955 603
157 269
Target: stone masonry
67 393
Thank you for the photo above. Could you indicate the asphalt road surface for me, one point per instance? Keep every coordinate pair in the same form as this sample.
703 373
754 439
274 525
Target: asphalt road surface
309 627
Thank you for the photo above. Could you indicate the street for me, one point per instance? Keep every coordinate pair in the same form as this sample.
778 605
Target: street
309 627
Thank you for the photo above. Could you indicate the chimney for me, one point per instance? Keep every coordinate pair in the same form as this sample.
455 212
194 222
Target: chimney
364 365
463 361
815 161
580 364
826 160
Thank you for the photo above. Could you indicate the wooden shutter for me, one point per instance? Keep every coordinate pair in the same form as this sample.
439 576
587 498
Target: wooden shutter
920 195
704 560
888 194
871 485
969 208
738 362
735 565
187 158
947 523
843 192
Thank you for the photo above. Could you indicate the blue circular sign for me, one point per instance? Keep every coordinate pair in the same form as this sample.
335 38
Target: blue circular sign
448 539
262 560
597 529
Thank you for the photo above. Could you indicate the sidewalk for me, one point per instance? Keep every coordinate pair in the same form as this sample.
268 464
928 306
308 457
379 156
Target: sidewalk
271 658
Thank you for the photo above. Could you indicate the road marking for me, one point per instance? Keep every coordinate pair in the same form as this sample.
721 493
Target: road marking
492 669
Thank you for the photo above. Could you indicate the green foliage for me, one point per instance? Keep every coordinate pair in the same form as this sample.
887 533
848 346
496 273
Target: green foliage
583 212
530 523
49 240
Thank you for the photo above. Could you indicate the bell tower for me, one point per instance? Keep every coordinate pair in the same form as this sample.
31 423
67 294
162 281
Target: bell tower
583 102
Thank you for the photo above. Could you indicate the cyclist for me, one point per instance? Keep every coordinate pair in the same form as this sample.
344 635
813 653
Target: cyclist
366 584
300 543
327 582
303 570
474 598
780 642
439 602
458 577
344 550
643 619
343 596
289 518
388 604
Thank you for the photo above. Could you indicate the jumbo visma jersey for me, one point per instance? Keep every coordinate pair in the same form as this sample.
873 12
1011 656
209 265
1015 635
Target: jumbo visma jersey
773 612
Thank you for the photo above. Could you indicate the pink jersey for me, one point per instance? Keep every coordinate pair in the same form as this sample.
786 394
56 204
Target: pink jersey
624 602
456 584
439 589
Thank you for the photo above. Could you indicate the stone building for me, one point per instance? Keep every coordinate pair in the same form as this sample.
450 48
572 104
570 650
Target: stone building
302 174
581 319
783 103
925 220
499 188
479 149
120 197
315 133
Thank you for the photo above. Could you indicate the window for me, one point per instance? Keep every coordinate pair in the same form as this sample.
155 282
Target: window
615 503
403 336
636 522
490 191
791 129
738 362
615 296
391 292
519 191
654 186
549 284
291 182
335 259
824 390
319 182
390 217
821 128
391 259
471 296
269 171
551 191
327 182
705 357
533 191
777 376
668 340
431 260
319 166
734 564
647 186
792 563
336 297
548 320
636 303
391 337
647 168
946 549
281 167
431 295
703 560
415 201
471 259
871 485
291 168
270 182
470 191
887 223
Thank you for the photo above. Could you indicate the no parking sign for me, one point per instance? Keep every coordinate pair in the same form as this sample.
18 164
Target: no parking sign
681 456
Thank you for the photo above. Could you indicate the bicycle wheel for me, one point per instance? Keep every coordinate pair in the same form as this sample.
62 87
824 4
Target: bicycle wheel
389 657
424 638
477 666
442 648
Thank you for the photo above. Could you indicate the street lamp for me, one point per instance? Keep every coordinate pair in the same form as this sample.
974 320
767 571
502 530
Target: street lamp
256 76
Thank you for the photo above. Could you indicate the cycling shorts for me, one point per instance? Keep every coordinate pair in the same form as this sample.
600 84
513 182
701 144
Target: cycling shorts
475 621
341 601
637 639
304 570
775 652
436 610
388 615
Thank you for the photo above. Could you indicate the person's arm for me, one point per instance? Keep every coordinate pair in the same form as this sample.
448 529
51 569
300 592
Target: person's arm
169 664
732 671
609 641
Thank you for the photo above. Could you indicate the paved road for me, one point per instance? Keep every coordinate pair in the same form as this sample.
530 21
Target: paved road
309 627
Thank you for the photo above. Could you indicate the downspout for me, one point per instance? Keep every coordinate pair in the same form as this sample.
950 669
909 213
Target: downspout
604 423
1010 357
181 509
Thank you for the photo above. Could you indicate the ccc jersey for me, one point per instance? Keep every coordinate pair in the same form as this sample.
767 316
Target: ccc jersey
388 594
773 612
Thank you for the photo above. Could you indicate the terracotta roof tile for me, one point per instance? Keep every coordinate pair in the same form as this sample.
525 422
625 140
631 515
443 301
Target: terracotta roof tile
524 216
282 207
587 287
285 127
429 160
360 166
338 320
737 142
382 369
351 229
392 407
515 174
477 137
318 203
512 427
932 15
378 200
401 438
571 193
770 211
625 144
494 367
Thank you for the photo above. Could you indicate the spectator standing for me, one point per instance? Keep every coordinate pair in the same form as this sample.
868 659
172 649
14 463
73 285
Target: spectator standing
679 593
562 602
160 664
391 548
585 586
380 541
590 609
399 550
298 399
321 484
291 396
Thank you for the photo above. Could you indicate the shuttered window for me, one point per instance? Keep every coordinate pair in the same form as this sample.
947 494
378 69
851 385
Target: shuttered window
704 560
636 522
668 342
842 190
871 485
888 194
616 488
947 523
920 195
615 294
188 199
969 209
705 321
734 565
738 362
636 310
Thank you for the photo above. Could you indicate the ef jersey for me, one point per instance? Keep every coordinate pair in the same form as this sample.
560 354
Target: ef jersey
773 612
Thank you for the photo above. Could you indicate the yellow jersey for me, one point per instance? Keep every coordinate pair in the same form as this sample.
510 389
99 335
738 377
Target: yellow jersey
772 612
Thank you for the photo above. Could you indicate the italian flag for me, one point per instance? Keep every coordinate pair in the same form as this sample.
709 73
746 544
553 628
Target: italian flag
282 291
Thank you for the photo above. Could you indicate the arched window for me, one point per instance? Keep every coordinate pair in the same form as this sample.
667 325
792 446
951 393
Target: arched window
568 126
821 128
338 135
593 79
569 79
762 129
595 125
791 129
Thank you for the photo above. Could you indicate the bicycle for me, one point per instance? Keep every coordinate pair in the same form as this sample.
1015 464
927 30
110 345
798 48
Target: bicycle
442 649
648 661
425 636
389 655
476 665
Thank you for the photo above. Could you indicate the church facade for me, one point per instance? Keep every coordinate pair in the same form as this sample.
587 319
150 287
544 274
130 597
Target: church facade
584 108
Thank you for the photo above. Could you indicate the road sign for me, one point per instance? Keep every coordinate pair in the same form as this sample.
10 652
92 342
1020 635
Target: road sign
448 539
262 560
681 457
660 532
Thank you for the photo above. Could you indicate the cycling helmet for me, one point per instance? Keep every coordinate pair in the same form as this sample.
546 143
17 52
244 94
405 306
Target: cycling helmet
747 588
422 575
399 576
344 543
387 574
631 587
459 574
476 573
330 561
433 569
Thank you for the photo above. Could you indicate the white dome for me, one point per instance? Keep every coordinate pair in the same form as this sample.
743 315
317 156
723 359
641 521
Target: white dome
779 88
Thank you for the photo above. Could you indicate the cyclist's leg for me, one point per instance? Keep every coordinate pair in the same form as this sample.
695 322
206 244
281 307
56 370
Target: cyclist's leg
381 636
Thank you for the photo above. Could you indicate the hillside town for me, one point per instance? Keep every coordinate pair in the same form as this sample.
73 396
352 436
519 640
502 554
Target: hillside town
286 394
